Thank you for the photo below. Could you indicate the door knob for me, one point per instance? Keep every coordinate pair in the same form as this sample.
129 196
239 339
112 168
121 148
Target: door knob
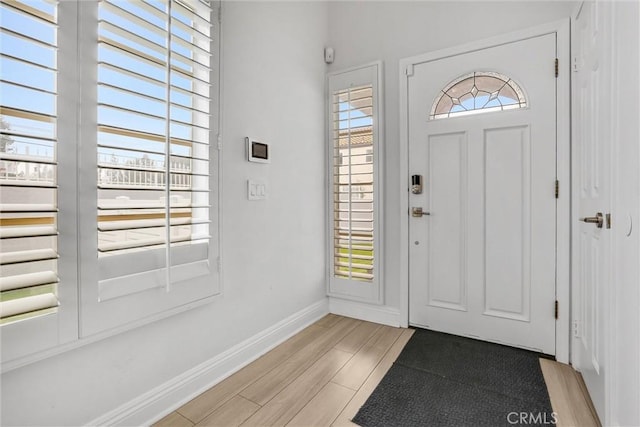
598 220
418 213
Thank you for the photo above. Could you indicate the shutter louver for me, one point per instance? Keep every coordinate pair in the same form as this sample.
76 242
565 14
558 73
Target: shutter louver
28 143
353 181
154 67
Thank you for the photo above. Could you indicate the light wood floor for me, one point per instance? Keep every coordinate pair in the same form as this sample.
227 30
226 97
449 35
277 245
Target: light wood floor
325 373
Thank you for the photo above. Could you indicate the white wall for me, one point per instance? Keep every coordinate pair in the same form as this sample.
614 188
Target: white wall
625 287
273 251
362 32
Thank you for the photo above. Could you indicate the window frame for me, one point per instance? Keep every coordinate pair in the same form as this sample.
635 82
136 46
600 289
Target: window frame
100 314
80 318
345 288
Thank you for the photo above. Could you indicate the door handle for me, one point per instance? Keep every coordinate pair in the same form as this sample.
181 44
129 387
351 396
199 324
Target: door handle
598 220
418 213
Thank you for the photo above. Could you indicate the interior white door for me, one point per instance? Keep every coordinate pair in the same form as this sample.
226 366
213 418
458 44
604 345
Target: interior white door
482 264
592 125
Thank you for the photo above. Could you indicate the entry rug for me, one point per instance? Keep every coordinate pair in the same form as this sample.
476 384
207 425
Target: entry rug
446 380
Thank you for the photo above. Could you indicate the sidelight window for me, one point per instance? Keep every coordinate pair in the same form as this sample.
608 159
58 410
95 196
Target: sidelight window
354 170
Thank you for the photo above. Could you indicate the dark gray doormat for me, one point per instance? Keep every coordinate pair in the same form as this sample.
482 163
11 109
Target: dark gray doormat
446 380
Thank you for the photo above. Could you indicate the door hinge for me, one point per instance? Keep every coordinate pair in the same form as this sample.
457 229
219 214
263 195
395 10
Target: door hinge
220 13
556 67
557 189
409 70
577 332
219 138
556 309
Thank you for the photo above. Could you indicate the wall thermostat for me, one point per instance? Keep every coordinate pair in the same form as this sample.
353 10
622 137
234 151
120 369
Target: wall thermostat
257 151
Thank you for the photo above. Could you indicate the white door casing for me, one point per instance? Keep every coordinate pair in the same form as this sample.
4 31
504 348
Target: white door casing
592 136
483 263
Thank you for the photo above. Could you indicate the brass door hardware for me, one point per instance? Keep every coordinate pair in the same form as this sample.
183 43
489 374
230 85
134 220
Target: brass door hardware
418 213
598 220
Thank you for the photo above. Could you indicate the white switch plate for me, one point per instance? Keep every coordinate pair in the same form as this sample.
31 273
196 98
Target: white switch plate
256 190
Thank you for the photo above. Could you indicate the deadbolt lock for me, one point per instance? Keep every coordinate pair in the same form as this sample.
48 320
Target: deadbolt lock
416 184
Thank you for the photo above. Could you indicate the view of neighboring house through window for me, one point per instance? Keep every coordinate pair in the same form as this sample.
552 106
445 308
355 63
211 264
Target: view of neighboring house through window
354 187
353 183
28 175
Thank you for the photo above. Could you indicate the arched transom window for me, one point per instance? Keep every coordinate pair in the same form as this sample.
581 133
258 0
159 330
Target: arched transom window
478 92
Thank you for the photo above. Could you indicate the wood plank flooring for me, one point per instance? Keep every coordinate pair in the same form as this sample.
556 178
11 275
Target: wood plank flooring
325 373
569 398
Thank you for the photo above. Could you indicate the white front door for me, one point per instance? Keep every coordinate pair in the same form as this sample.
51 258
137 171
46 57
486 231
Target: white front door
483 262
592 124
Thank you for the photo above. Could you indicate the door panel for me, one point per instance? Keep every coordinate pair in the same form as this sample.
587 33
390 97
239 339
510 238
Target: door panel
592 130
507 183
482 264
448 191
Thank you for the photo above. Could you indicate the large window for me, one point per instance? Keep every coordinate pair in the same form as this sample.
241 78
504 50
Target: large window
354 154
155 117
109 203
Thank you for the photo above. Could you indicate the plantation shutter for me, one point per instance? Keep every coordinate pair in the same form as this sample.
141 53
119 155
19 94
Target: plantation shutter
353 184
28 173
355 193
151 244
154 130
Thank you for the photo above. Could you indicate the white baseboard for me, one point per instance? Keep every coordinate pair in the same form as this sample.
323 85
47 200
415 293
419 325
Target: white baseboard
164 399
371 313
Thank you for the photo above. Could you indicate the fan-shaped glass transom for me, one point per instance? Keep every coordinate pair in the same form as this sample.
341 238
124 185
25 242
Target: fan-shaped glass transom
478 92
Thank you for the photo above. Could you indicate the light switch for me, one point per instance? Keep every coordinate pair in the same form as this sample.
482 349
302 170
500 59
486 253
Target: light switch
256 190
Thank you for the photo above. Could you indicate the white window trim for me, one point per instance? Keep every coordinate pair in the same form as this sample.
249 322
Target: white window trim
369 292
65 330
